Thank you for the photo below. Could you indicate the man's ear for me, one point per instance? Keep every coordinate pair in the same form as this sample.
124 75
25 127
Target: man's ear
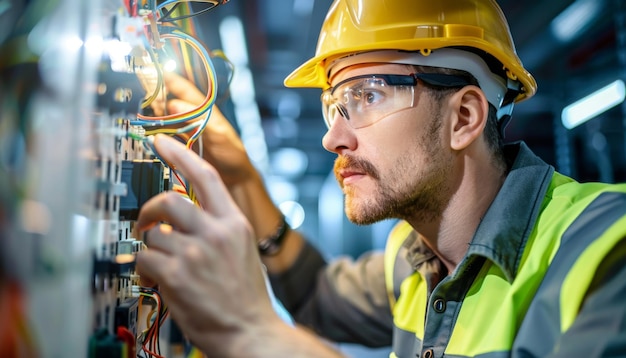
470 110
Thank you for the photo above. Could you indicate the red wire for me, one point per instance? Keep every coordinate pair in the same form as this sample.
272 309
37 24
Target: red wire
152 335
129 338
127 5
182 183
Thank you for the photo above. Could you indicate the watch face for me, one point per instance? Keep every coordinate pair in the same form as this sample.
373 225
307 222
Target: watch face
268 247
271 245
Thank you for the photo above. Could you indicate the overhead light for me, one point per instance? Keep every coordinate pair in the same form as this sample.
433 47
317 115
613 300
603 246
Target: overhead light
574 19
594 104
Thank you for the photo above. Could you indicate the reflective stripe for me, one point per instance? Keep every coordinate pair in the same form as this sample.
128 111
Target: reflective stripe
506 354
397 268
394 259
405 343
541 329
401 270
409 311
580 277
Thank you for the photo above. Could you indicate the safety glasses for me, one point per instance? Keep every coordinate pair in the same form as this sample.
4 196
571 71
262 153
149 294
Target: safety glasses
366 99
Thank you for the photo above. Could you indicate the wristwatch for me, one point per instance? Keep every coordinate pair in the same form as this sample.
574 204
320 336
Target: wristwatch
271 245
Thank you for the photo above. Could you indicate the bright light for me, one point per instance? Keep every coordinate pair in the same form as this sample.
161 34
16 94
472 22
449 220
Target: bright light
294 213
71 43
117 49
594 104
289 162
573 20
234 40
94 43
169 66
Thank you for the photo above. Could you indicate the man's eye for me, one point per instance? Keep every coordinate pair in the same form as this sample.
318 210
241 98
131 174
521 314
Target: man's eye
372 97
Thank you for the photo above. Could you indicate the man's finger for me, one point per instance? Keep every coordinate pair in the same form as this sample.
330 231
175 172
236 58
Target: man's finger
180 106
152 266
210 191
168 207
182 88
164 238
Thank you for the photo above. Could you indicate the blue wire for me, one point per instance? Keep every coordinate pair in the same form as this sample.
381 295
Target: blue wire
209 108
168 2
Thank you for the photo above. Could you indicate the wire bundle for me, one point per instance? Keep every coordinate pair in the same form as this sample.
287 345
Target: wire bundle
195 120
203 110
154 320
166 14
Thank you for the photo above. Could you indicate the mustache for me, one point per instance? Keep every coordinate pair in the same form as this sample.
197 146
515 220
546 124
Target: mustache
346 162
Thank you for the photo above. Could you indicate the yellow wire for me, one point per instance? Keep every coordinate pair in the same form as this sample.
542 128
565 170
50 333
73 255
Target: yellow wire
212 85
162 130
159 85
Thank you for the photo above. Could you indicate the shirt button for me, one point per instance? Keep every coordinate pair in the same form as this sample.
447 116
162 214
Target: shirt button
439 305
428 353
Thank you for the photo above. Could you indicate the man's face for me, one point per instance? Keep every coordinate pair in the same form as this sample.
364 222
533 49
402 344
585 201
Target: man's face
397 167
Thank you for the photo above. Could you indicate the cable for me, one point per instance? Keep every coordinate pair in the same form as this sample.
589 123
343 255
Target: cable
211 93
159 84
182 17
168 12
170 2
204 109
150 344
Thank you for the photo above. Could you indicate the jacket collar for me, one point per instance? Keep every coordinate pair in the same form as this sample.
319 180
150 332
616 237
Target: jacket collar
503 232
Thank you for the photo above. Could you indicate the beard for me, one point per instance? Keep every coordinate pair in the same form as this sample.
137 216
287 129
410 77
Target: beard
411 190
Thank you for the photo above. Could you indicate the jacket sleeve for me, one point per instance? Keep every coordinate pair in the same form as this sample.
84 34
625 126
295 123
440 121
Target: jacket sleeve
600 328
345 301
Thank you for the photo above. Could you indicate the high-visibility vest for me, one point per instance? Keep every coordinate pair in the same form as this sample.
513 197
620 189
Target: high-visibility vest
576 228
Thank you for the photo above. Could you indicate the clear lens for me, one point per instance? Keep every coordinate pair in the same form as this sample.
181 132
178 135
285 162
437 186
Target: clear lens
364 100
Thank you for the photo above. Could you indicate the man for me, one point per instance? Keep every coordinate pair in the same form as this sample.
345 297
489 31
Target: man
497 254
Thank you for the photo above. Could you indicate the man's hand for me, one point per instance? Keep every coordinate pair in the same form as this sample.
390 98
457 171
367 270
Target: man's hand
224 150
205 260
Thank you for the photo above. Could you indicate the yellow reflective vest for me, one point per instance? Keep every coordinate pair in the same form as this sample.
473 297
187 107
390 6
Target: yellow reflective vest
544 275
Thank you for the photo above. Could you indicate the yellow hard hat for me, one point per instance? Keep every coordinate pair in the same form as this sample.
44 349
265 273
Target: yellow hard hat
356 26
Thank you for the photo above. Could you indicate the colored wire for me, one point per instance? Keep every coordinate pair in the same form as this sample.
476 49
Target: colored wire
150 344
155 124
159 84
127 6
187 16
171 2
211 93
174 131
165 13
205 108
180 180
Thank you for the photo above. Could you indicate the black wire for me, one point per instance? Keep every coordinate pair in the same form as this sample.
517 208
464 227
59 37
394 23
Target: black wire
167 13
210 7
156 325
157 331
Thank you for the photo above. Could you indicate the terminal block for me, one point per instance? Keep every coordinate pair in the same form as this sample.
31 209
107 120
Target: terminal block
144 179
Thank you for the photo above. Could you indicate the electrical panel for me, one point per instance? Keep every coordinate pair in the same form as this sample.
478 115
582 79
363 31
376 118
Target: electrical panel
81 92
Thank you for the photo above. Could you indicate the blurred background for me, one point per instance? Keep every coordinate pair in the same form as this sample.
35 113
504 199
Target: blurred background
67 148
572 47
